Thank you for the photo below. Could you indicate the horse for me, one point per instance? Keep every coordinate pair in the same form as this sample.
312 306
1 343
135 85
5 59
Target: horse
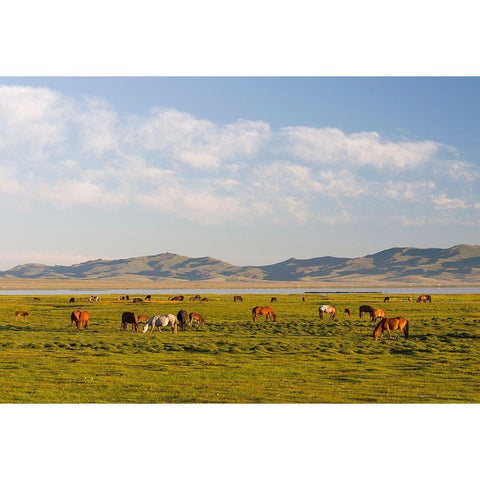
142 318
378 313
121 298
197 317
148 297
391 324
80 319
366 309
328 309
347 313
424 299
161 321
273 300
137 300
197 297
72 300
237 298
204 299
94 298
191 299
267 312
386 299
36 299
409 299
303 299
129 317
21 313
182 316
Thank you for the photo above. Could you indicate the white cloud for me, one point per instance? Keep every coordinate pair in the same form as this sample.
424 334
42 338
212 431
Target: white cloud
443 202
333 146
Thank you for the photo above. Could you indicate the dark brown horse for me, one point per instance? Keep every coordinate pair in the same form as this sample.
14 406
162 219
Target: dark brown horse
129 318
237 298
72 300
273 300
204 299
137 300
148 298
197 317
366 309
386 299
391 324
80 319
182 317
347 313
197 297
267 312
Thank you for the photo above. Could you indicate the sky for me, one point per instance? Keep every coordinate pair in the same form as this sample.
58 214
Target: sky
250 170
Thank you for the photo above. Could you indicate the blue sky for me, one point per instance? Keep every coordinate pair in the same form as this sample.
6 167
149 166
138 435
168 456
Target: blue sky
249 170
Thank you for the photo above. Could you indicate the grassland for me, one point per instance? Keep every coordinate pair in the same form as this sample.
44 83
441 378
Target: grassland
297 359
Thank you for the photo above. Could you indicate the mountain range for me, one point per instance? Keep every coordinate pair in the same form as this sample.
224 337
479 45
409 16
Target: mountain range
460 263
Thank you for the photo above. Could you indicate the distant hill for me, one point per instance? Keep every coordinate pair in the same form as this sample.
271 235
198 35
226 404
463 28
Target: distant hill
460 263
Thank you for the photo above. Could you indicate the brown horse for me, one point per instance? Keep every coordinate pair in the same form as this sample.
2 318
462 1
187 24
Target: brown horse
409 299
267 312
21 313
386 299
273 300
347 313
182 316
129 317
378 313
137 300
80 319
197 297
327 309
366 309
391 324
197 317
36 299
191 299
237 298
424 299
204 299
142 318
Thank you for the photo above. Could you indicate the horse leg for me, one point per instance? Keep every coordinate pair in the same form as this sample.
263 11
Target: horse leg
388 330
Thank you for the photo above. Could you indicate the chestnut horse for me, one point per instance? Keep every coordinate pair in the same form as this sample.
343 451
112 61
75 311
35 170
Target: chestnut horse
267 312
197 317
424 299
21 313
237 298
347 313
329 310
391 324
378 313
79 319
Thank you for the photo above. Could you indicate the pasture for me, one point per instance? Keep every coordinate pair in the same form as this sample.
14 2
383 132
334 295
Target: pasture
231 359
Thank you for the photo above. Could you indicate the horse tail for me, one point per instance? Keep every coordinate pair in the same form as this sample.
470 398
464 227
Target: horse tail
405 330
254 312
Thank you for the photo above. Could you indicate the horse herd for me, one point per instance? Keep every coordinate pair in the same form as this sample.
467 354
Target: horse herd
80 318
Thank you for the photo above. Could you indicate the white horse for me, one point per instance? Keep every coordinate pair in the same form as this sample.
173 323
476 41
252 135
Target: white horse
161 321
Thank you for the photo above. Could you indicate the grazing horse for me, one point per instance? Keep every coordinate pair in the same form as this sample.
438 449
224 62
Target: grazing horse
161 321
137 300
273 300
142 318
409 299
378 313
94 298
329 310
148 297
391 324
237 298
424 299
121 298
303 299
21 313
129 317
72 300
347 313
36 299
182 317
386 299
191 299
267 312
366 309
197 297
80 319
197 317
204 299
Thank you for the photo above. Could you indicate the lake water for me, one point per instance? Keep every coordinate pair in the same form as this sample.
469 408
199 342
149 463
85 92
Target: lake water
245 291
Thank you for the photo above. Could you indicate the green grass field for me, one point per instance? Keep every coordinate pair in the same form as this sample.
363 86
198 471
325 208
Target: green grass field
297 359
